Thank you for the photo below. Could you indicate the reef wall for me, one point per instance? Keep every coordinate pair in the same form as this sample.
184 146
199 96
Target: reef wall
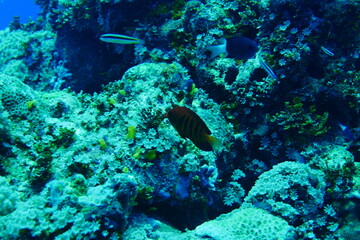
88 151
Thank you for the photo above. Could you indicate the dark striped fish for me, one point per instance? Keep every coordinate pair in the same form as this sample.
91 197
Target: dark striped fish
189 125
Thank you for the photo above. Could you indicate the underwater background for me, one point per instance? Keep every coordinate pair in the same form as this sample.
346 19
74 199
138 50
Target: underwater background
11 8
194 119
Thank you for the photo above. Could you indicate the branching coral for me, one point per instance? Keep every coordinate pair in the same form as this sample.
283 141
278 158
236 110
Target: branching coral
304 120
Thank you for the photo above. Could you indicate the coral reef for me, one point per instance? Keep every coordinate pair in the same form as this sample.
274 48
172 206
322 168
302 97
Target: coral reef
290 190
87 150
30 56
246 223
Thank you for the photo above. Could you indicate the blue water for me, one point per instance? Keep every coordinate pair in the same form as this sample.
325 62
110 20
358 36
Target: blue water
22 8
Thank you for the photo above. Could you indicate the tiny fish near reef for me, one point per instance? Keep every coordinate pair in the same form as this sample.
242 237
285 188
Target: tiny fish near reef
189 125
120 39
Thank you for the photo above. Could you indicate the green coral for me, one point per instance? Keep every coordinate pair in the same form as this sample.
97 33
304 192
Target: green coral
304 120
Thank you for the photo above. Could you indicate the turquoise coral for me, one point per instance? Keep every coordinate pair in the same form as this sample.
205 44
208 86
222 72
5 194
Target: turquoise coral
72 169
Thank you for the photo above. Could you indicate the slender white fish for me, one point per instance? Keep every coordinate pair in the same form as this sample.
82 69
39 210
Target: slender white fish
120 39
327 51
266 67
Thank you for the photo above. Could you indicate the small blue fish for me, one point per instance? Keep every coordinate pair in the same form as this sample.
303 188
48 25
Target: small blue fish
346 131
236 47
120 39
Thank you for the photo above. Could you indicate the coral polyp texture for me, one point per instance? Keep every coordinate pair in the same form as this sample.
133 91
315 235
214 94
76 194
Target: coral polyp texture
110 111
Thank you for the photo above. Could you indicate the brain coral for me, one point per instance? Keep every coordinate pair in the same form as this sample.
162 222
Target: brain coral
246 223
16 96
291 190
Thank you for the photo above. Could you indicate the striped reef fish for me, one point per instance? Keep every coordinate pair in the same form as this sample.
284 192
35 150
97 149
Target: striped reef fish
189 125
120 39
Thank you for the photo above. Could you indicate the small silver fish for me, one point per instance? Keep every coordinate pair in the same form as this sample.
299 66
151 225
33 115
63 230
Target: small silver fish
346 131
327 51
266 67
120 39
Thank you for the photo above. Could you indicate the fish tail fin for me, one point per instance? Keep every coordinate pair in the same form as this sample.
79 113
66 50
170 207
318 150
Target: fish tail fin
215 143
219 49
